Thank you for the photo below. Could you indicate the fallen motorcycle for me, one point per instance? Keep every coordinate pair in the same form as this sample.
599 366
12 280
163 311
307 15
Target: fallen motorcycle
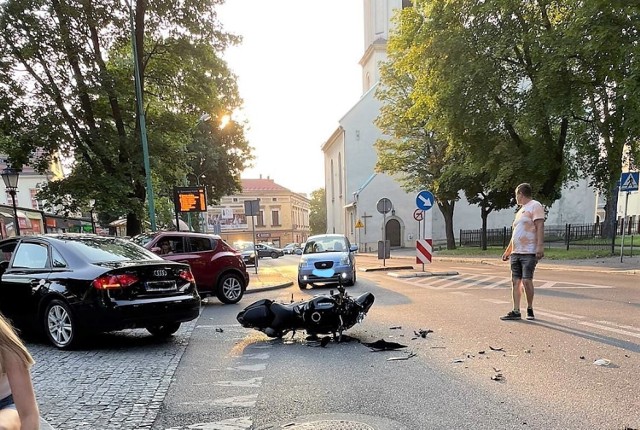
330 313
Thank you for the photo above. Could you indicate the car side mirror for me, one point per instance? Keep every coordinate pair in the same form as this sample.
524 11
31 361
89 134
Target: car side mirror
353 248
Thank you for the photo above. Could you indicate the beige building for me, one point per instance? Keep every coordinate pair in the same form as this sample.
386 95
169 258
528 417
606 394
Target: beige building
283 217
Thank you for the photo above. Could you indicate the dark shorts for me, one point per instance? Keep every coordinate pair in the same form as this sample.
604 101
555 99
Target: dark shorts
7 403
523 266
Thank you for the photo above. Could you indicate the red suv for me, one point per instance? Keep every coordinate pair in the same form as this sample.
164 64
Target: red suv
218 268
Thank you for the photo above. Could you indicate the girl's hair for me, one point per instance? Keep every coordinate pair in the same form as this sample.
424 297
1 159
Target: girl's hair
11 343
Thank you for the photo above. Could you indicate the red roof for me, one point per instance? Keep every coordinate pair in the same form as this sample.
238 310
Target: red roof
261 185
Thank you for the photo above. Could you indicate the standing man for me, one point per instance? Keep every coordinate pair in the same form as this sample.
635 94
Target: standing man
525 249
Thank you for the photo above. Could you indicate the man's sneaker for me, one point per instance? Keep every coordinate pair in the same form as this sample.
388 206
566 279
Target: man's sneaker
530 315
513 315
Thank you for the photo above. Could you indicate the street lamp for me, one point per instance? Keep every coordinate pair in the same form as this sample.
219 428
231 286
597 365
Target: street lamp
10 178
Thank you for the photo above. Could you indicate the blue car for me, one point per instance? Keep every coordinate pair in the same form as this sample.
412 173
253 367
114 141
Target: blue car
327 251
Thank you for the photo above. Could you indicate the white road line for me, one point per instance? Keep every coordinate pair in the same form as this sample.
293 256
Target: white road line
448 284
546 314
496 301
499 282
253 382
547 285
628 327
250 367
461 293
615 330
476 282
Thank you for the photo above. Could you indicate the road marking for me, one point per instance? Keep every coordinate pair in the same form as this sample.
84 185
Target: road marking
612 329
476 282
253 382
461 293
250 367
496 301
619 326
241 423
498 283
547 285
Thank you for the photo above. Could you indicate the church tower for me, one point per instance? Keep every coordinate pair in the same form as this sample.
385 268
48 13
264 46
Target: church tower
377 26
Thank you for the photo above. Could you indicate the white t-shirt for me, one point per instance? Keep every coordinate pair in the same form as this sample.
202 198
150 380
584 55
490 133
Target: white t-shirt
5 389
524 229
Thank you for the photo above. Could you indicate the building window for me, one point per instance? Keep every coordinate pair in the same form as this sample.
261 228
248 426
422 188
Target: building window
34 201
339 175
235 200
275 218
333 190
260 219
274 199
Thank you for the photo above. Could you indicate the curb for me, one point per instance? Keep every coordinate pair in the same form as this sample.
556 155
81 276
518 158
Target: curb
422 274
269 288
383 268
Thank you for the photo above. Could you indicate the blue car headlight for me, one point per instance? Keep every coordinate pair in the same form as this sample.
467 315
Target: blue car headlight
344 260
303 263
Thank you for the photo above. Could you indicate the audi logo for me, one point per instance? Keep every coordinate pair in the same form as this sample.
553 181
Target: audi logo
159 273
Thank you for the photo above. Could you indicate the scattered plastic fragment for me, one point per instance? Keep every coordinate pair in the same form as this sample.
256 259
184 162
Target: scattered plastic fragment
602 362
582 357
495 369
398 327
458 360
528 351
219 330
480 352
406 357
497 377
422 333
496 349
383 345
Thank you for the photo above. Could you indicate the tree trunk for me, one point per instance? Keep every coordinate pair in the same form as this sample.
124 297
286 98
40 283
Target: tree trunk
134 223
446 208
484 214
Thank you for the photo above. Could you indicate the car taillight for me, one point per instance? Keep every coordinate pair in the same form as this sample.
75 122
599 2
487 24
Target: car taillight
106 282
187 275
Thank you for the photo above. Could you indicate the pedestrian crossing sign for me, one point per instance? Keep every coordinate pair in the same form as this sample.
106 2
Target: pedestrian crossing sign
629 181
359 224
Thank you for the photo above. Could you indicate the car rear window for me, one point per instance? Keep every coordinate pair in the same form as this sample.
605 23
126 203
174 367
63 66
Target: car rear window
101 250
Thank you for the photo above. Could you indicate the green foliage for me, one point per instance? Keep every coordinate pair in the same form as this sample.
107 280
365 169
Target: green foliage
318 212
66 87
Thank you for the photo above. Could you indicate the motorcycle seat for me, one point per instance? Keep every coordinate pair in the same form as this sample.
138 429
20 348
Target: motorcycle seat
285 315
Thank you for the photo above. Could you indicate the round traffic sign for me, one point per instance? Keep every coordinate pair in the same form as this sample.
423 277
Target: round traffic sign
425 200
418 214
384 205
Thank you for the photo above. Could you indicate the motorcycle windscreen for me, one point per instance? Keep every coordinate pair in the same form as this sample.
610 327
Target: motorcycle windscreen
365 301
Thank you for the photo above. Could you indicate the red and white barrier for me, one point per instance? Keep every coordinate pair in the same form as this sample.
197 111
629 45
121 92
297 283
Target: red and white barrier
424 248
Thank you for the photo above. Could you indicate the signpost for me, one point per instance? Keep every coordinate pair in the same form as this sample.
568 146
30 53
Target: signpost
384 206
252 209
628 183
424 202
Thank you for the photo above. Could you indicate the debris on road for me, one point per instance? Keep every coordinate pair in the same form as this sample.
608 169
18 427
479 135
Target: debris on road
602 362
458 360
422 333
497 377
397 327
383 345
219 330
496 349
406 357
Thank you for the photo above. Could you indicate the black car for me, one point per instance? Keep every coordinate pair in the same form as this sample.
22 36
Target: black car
247 252
69 285
265 250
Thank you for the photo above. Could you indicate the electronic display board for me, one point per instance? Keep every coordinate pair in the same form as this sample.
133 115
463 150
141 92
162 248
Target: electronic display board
190 199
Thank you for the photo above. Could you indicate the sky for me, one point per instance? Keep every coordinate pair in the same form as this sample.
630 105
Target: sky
298 74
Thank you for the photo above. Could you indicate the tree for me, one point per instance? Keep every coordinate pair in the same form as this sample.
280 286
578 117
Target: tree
66 86
318 212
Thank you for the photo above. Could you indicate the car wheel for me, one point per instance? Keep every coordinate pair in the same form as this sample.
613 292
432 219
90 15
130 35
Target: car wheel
230 288
352 282
302 285
164 330
60 325
274 255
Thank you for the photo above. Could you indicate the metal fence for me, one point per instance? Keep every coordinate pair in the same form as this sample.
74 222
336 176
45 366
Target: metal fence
577 236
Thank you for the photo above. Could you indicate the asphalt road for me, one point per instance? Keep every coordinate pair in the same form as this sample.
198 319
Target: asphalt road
472 371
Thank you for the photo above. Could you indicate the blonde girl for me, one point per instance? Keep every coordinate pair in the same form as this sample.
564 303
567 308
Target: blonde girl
18 407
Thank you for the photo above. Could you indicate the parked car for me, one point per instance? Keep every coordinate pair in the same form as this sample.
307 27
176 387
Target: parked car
217 267
247 252
327 251
265 250
69 285
292 248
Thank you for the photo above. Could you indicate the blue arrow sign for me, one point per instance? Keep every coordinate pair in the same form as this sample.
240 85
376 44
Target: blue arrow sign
629 181
425 200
